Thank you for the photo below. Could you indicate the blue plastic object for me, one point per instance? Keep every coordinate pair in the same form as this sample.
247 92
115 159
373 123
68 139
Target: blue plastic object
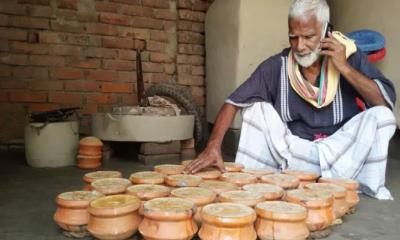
368 40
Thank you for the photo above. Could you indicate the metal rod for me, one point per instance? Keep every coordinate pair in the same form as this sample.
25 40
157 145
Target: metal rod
139 74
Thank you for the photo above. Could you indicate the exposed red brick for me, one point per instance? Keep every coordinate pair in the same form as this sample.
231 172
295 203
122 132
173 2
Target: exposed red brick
165 14
111 42
115 19
13 34
191 49
51 37
191 80
81 86
126 55
157 77
158 35
83 39
42 107
65 98
106 7
12 84
198 70
190 26
13 59
127 76
102 29
12 8
137 33
40 11
155 46
119 65
143 22
102 75
3 20
100 52
68 4
29 22
87 63
169 68
27 96
89 109
4 45
101 98
137 11
29 48
27 72
194 16
156 3
67 26
160 57
38 60
3 96
46 85
184 69
152 67
129 100
64 50
190 37
67 73
131 2
35 2
117 87
5 71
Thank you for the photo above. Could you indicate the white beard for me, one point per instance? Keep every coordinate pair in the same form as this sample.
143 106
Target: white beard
306 60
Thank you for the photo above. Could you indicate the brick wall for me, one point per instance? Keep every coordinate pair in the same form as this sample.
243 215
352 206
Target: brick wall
62 53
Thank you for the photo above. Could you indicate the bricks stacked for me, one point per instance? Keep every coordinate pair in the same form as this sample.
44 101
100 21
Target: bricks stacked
90 152
81 53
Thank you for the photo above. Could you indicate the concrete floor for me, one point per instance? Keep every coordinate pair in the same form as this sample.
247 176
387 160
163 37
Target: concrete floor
27 200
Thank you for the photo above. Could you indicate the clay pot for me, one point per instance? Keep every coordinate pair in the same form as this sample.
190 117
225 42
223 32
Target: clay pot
218 186
231 221
243 197
233 167
281 220
114 217
168 218
90 146
319 205
169 169
238 178
340 206
110 186
182 180
282 180
351 186
72 214
147 192
270 192
258 172
147 177
305 177
92 176
209 174
89 162
199 196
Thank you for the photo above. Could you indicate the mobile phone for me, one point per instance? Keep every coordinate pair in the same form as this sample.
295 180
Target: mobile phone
328 28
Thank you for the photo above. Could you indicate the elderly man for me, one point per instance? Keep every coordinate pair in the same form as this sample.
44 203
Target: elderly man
300 111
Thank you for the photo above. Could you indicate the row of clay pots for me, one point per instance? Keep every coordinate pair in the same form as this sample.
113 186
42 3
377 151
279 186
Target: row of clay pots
90 153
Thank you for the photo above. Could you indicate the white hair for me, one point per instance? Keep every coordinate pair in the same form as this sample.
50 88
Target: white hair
303 8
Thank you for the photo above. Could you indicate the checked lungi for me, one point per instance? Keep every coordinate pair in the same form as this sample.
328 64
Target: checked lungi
358 150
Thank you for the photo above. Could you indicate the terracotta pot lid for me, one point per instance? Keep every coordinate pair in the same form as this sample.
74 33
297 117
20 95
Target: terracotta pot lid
111 185
90 177
281 211
310 197
186 162
149 191
149 177
209 173
114 205
283 180
233 167
269 191
169 208
228 214
238 178
200 196
77 198
302 175
218 186
349 184
183 180
337 190
258 172
169 169
244 197
91 141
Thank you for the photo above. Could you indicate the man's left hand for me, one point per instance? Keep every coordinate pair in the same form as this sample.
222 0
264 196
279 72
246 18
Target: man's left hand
335 50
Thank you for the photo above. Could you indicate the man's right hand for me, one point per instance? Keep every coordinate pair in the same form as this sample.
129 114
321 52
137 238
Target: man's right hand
211 156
